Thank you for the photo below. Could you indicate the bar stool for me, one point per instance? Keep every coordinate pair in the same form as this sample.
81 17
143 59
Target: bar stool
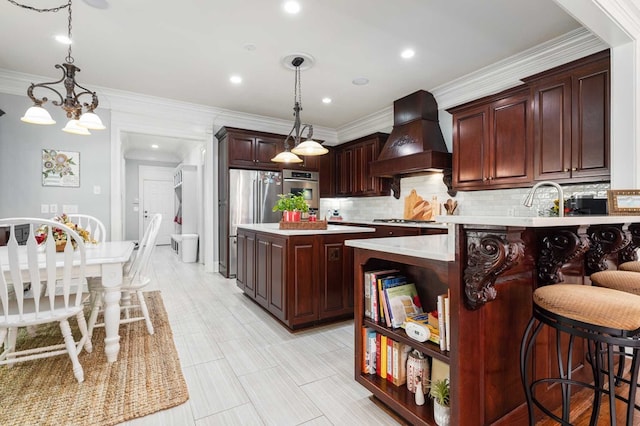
633 266
606 319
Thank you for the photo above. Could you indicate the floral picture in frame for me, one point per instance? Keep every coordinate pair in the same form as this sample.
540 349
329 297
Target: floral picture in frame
60 168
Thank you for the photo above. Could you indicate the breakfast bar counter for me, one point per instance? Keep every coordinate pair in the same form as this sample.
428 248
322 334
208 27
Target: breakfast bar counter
302 277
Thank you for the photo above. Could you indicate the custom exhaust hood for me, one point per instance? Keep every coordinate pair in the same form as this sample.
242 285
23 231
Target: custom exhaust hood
416 144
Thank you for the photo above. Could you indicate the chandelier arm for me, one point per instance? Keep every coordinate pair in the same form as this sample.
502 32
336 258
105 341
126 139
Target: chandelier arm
53 9
39 102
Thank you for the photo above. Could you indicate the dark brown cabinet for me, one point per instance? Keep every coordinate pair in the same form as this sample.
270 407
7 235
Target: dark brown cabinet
352 168
327 170
492 145
571 106
250 149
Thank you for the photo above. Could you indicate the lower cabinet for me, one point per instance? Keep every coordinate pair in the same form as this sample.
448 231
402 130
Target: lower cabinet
300 279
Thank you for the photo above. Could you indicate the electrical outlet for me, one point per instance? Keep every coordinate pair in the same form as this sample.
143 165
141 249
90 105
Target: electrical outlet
70 208
44 208
97 190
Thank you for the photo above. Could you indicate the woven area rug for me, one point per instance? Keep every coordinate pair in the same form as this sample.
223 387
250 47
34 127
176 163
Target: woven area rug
146 378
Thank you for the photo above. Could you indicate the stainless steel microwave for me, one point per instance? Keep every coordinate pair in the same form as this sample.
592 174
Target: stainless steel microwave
302 182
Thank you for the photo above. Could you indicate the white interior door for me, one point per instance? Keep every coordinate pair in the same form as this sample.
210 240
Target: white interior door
157 196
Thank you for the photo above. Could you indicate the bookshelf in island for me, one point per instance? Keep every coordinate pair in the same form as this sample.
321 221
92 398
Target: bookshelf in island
490 267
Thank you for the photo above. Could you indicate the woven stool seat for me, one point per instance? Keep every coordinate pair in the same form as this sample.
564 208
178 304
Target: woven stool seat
626 281
633 266
608 320
591 305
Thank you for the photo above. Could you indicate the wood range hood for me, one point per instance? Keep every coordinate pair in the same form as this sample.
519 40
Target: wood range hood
416 144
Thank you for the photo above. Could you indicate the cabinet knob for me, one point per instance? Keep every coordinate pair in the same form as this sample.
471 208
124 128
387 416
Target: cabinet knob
574 169
566 170
485 179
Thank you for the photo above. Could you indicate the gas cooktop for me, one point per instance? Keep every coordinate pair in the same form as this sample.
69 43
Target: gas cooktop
403 221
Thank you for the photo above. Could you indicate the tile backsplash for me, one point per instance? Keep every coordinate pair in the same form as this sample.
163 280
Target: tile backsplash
498 202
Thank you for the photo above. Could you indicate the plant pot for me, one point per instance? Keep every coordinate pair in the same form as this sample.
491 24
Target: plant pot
441 414
291 216
60 247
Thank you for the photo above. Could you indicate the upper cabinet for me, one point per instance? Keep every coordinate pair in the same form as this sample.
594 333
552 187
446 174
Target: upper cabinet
250 149
352 167
555 127
492 142
571 106
327 169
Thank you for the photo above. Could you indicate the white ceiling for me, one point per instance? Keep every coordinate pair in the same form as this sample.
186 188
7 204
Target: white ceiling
186 50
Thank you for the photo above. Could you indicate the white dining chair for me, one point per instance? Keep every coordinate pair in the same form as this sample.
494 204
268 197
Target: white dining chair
92 224
61 275
136 277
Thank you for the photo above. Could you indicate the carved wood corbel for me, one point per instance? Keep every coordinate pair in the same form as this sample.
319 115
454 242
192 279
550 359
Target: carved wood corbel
630 253
488 255
557 248
604 240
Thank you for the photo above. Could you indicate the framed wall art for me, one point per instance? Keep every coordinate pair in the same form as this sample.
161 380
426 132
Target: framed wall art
60 168
624 201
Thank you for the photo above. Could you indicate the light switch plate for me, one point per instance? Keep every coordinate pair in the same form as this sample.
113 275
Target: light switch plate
53 208
70 208
44 208
97 190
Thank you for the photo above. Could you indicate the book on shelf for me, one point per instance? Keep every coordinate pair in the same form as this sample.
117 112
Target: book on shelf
384 282
447 320
371 307
425 319
390 359
400 356
441 323
383 356
401 301
371 346
378 354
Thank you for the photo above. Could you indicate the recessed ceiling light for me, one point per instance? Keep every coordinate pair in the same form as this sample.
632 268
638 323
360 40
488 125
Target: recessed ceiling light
235 79
155 146
326 100
292 7
408 53
63 39
360 81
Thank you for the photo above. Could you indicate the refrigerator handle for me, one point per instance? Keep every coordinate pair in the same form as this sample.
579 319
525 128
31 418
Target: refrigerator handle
257 198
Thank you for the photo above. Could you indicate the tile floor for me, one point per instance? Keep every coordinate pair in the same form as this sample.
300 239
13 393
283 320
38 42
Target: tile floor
242 367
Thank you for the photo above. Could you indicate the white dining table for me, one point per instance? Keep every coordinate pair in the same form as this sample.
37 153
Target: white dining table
105 260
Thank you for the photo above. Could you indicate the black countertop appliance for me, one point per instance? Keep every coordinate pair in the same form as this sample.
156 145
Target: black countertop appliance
586 205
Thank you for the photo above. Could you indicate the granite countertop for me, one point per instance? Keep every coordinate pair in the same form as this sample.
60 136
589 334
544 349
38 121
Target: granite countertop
435 247
274 228
436 225
538 222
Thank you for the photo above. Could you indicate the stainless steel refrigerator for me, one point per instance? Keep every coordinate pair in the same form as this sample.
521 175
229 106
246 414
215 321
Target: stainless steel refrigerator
252 195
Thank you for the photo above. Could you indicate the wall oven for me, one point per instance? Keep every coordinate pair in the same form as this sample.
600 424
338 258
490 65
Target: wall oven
305 183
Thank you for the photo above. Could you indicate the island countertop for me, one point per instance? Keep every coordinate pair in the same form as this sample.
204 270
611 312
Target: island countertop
274 228
435 247
538 221
434 225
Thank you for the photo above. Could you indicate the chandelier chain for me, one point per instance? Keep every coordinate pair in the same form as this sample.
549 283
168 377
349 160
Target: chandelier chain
53 9
69 58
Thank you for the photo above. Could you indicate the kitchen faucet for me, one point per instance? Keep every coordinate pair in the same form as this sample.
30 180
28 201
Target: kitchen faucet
528 202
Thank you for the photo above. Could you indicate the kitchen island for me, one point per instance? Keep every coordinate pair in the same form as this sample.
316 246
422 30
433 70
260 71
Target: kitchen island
302 277
490 266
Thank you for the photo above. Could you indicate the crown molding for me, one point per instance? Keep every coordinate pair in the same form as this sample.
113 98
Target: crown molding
491 79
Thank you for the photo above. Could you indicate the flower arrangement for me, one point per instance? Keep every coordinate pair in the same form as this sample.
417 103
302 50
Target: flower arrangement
291 202
59 235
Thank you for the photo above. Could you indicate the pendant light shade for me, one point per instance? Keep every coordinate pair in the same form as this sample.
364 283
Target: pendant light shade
91 121
309 148
73 128
37 115
286 157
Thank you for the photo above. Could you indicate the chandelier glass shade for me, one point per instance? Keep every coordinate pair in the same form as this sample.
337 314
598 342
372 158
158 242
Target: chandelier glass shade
81 114
307 148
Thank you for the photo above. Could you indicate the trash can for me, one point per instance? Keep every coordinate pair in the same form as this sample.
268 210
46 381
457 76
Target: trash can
189 247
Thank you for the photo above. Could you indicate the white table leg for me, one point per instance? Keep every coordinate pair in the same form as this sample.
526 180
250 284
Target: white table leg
111 281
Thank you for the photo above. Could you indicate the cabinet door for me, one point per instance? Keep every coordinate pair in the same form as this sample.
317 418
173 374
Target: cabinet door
309 163
510 141
249 264
470 139
265 149
552 129
335 299
359 169
327 177
302 289
590 125
263 270
223 239
278 278
344 172
371 185
241 151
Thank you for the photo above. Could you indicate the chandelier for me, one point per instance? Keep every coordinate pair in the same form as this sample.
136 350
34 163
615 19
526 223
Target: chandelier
309 147
81 115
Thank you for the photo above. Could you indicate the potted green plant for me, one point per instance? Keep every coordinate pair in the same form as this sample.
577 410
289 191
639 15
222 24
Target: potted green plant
440 394
291 206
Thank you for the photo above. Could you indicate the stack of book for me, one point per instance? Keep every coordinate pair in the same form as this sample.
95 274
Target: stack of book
389 297
384 357
437 322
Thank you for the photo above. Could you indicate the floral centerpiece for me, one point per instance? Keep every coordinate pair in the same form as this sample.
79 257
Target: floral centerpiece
291 205
60 236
